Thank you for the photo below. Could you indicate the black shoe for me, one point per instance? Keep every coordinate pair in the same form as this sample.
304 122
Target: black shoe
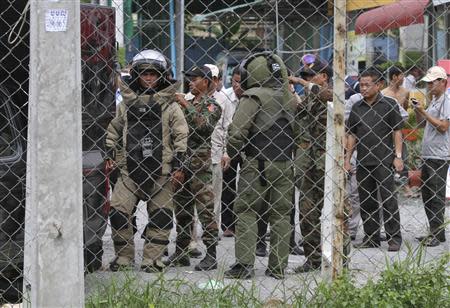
209 262
115 267
177 259
274 274
425 238
228 233
432 242
307 267
240 271
296 251
195 253
156 267
366 243
422 238
261 251
394 247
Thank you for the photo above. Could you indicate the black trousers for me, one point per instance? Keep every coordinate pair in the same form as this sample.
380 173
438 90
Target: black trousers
370 180
229 195
434 178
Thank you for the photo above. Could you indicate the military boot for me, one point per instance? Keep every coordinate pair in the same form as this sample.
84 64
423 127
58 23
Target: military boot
156 266
261 249
179 258
240 271
121 264
209 262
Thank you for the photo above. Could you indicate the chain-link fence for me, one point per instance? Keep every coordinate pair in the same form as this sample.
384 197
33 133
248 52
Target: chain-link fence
212 146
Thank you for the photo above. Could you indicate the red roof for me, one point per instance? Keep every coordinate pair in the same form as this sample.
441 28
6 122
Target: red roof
391 16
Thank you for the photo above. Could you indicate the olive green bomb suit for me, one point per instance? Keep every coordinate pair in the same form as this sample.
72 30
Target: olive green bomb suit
262 128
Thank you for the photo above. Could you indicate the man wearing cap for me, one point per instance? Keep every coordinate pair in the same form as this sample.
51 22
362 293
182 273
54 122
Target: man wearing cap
219 135
374 127
435 152
312 112
202 114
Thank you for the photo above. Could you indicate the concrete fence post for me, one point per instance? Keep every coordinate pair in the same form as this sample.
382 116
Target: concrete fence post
54 226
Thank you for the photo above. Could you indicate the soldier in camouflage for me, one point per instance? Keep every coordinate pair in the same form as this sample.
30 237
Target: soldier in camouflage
312 115
147 141
202 113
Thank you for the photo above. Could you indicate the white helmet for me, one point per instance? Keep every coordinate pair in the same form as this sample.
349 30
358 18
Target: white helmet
150 59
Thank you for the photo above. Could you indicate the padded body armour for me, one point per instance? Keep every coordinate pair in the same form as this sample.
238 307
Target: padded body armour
271 136
144 144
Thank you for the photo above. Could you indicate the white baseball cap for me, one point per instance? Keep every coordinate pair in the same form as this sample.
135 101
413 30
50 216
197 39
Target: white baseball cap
434 73
214 70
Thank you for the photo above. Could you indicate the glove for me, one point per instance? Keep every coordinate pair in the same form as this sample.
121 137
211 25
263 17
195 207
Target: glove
177 180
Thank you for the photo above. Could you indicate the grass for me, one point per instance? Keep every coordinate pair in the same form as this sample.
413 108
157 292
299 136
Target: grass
412 282
171 293
408 283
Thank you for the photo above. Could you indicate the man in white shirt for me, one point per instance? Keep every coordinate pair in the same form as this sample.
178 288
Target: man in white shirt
219 135
435 152
409 83
230 167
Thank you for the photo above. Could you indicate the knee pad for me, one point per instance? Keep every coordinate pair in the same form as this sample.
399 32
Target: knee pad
161 219
119 220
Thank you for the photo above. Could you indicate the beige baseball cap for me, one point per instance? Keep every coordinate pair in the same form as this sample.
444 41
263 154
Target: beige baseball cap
433 73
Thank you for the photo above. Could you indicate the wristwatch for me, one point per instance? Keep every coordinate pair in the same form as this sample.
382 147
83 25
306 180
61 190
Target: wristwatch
398 156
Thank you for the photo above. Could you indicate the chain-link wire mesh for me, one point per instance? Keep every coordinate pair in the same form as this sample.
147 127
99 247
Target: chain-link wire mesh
204 161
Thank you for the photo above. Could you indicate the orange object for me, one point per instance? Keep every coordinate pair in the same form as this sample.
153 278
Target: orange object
415 178
410 134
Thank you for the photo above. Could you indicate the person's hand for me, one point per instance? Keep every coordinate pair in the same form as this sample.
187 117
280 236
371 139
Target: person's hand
347 166
177 180
110 164
294 80
225 162
179 97
416 105
398 164
297 80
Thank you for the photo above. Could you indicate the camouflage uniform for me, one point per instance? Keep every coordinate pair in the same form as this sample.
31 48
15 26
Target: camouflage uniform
197 190
312 113
302 141
127 193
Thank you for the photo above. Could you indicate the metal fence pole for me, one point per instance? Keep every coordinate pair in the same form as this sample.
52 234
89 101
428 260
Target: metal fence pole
340 36
179 39
54 196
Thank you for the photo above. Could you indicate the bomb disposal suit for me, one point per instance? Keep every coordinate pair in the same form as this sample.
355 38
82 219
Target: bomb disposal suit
148 140
262 128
